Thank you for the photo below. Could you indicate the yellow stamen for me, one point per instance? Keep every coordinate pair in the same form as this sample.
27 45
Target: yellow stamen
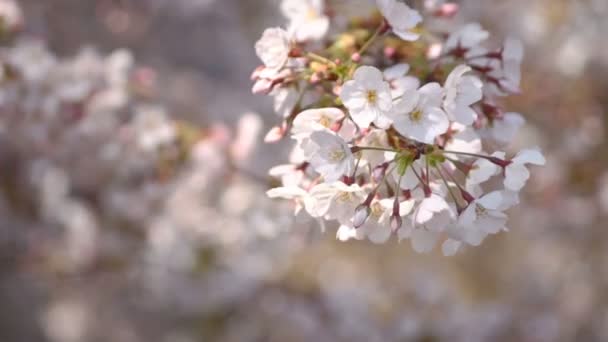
416 115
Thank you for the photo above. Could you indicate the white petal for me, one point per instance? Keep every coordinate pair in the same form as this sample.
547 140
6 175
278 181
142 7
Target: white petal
368 75
346 233
379 234
450 247
464 115
396 71
531 156
286 192
432 94
516 176
492 201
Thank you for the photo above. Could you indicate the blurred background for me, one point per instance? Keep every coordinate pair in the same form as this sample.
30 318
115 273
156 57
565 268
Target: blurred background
132 182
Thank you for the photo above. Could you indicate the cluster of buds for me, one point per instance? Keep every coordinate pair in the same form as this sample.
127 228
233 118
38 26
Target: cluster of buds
398 129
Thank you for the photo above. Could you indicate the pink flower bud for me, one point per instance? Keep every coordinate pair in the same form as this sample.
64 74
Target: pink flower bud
361 214
274 135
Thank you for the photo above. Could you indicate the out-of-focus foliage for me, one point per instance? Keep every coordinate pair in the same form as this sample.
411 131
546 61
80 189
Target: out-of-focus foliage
132 202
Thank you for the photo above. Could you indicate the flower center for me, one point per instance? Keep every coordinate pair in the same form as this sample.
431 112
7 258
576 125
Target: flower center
325 121
372 97
344 197
416 115
311 14
480 211
377 210
336 155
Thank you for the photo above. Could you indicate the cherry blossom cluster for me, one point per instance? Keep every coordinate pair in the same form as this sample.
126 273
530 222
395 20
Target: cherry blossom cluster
398 130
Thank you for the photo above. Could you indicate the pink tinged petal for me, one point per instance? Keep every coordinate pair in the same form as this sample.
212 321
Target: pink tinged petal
274 135
532 156
423 241
516 176
450 247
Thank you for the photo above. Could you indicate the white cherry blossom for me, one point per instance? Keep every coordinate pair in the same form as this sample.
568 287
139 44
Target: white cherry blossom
273 48
430 219
463 139
468 37
483 169
285 100
307 20
433 147
397 77
295 193
516 173
418 115
462 91
402 19
368 97
433 213
483 216
376 138
335 201
313 120
329 155
377 227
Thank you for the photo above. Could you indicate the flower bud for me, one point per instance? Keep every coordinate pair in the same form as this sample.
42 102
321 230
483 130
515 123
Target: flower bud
447 10
361 214
275 134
